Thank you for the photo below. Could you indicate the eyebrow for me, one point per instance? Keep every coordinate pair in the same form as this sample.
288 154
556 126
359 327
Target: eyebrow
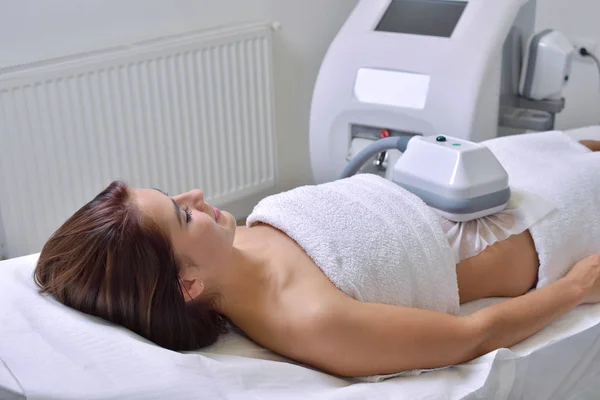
175 206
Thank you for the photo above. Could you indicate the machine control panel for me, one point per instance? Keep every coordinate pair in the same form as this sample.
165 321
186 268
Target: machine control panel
451 143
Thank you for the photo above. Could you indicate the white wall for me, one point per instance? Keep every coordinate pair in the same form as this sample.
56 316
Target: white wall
576 18
31 30
37 29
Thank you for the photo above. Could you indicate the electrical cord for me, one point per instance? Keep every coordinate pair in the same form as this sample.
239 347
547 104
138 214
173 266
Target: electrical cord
585 53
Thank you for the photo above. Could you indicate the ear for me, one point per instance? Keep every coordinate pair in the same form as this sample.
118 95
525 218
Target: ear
192 288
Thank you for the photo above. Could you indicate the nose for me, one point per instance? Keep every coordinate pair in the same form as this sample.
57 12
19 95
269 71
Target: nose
193 198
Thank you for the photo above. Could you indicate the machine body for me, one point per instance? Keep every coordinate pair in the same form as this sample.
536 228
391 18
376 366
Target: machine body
412 67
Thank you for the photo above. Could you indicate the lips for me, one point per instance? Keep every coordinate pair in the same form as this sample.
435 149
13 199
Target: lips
217 213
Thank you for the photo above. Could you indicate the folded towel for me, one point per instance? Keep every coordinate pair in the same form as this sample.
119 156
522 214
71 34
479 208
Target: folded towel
567 174
373 239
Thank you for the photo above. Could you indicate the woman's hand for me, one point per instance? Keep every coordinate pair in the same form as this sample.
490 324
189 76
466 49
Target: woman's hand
586 276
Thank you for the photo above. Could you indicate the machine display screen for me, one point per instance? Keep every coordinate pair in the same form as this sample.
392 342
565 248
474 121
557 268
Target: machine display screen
422 17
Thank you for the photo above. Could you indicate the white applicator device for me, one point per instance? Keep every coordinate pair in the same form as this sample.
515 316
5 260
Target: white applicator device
458 179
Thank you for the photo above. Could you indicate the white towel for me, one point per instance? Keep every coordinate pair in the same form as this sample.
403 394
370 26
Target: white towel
566 173
373 239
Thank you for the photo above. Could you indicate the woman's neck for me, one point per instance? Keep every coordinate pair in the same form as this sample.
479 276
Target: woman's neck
249 273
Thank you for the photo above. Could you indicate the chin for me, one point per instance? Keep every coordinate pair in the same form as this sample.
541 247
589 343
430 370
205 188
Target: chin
227 219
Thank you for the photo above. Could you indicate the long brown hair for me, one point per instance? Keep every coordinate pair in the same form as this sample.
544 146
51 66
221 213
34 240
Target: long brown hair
110 261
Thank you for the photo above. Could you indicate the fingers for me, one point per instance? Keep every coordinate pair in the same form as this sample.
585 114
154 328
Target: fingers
593 145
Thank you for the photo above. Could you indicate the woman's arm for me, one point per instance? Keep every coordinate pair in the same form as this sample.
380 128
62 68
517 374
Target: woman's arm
510 322
593 145
357 339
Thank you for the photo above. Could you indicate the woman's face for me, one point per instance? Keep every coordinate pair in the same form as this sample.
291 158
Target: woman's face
200 233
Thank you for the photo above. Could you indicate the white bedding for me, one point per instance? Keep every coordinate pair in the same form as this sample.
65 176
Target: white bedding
49 351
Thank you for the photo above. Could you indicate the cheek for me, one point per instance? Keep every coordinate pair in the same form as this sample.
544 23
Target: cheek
210 244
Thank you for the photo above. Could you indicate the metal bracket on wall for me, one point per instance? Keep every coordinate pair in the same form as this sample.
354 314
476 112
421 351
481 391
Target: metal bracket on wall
551 106
531 115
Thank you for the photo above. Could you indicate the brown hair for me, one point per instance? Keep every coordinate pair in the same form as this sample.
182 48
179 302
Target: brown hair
110 261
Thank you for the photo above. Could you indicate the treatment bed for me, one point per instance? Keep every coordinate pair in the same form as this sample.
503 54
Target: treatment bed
50 351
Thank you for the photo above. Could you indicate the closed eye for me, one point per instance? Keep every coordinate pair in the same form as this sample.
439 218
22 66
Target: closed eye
188 214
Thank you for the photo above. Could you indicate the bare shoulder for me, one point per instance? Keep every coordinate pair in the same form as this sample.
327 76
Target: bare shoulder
293 302
295 325
282 319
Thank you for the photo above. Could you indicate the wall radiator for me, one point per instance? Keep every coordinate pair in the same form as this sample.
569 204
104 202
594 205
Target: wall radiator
176 113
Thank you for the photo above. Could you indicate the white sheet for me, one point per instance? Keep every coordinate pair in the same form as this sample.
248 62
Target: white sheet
49 351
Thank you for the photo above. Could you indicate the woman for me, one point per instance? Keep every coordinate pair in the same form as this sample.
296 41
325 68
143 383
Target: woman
175 269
